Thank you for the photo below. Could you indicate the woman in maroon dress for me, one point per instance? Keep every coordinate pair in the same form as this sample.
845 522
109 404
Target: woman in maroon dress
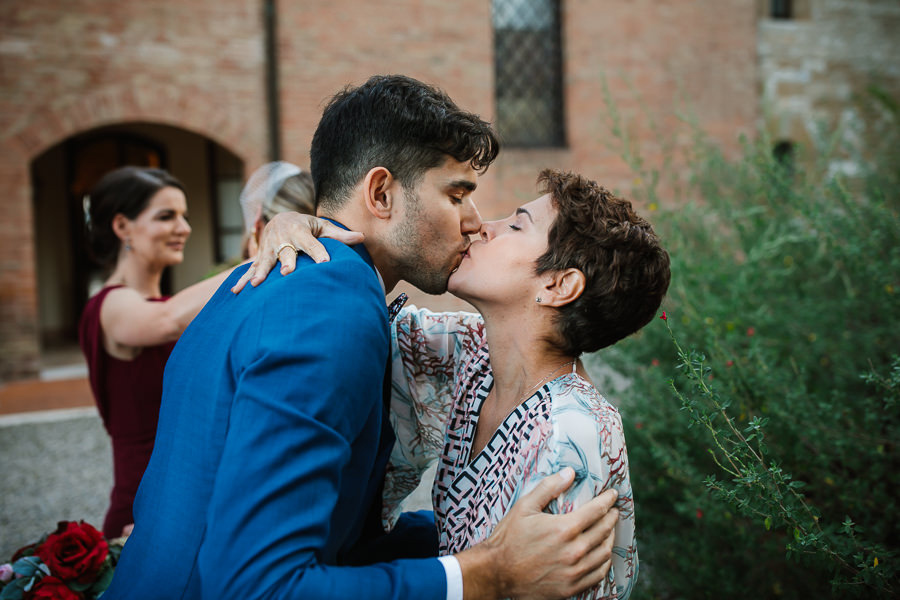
137 221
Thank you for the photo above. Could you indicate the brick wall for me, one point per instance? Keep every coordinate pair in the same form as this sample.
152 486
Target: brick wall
72 65
67 66
655 56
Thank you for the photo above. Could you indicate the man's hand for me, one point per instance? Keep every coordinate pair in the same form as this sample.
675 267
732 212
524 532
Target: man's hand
292 229
532 554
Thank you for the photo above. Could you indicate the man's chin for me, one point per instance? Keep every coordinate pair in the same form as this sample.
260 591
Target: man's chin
435 287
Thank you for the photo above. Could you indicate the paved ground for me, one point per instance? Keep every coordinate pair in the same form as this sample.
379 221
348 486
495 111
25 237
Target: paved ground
56 464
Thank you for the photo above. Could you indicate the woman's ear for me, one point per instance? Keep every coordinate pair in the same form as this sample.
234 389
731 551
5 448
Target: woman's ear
379 189
121 226
562 287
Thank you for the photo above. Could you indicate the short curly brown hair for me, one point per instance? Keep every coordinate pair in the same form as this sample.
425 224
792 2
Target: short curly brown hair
626 269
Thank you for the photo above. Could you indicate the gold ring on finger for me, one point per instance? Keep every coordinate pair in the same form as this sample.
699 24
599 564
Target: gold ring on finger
287 245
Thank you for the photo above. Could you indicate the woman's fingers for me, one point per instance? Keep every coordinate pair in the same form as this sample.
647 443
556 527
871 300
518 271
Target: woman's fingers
287 254
237 287
330 230
285 236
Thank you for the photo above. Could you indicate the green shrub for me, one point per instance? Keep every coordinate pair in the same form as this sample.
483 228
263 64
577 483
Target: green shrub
764 456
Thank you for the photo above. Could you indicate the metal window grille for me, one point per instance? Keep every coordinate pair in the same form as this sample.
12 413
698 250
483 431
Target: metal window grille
528 72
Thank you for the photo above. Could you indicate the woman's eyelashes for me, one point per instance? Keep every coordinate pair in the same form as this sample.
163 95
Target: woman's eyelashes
170 215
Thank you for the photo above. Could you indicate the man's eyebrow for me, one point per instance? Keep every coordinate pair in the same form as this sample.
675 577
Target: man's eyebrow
464 184
520 211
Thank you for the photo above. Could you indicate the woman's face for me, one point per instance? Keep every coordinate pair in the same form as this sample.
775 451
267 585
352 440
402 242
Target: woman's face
159 232
500 267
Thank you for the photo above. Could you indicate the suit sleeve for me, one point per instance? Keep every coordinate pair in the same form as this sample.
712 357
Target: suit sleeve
279 512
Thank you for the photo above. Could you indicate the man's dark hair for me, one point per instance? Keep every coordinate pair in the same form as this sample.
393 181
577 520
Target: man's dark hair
626 270
396 122
126 191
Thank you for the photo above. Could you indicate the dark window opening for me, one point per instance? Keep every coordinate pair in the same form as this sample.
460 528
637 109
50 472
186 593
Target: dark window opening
781 9
784 153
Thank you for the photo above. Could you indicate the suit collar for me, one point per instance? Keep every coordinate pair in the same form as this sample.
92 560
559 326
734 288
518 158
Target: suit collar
361 250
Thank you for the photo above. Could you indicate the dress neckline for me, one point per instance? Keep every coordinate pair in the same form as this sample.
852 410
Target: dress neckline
468 460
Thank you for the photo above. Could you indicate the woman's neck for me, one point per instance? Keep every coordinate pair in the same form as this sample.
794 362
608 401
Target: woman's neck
139 276
522 358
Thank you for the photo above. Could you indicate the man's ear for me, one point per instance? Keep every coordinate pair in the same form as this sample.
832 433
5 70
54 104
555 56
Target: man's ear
562 287
379 190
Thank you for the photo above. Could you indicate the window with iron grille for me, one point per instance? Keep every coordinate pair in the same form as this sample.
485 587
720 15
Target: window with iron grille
528 72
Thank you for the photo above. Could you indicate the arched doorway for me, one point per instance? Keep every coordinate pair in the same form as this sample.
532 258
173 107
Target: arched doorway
63 175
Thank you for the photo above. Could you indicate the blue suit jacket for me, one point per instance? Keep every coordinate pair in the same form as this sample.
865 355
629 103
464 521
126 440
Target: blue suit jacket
265 460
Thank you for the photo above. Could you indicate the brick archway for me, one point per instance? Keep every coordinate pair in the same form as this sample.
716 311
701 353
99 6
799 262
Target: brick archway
188 108
192 109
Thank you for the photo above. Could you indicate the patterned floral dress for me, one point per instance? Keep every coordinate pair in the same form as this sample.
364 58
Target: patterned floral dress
441 376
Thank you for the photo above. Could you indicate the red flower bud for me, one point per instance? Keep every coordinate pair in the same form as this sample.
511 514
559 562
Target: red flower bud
74 552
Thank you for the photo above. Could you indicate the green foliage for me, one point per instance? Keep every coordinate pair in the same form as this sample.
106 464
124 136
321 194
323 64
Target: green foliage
762 416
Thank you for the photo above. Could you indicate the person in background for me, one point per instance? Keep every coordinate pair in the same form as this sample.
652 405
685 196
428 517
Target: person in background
137 221
273 188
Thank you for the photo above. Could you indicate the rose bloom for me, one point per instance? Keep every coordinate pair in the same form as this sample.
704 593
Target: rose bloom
51 588
6 573
75 551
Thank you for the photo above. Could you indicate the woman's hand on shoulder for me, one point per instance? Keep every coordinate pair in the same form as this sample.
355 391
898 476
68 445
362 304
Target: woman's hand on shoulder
284 237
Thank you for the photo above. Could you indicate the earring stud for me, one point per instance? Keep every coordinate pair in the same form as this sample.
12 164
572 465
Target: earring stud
538 299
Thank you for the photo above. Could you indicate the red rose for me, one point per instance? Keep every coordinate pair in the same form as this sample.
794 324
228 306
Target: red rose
75 551
51 588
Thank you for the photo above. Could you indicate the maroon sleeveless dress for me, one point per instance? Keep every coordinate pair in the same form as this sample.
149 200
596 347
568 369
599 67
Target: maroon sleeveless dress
128 394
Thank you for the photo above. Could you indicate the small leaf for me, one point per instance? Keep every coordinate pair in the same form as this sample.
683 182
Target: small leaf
768 523
27 566
14 590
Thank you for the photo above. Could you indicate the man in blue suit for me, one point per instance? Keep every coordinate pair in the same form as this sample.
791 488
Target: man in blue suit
272 438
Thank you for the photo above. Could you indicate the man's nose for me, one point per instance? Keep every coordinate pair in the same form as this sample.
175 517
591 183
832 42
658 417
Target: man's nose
471 219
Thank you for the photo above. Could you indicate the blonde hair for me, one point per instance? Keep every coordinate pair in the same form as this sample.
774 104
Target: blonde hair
274 188
295 194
